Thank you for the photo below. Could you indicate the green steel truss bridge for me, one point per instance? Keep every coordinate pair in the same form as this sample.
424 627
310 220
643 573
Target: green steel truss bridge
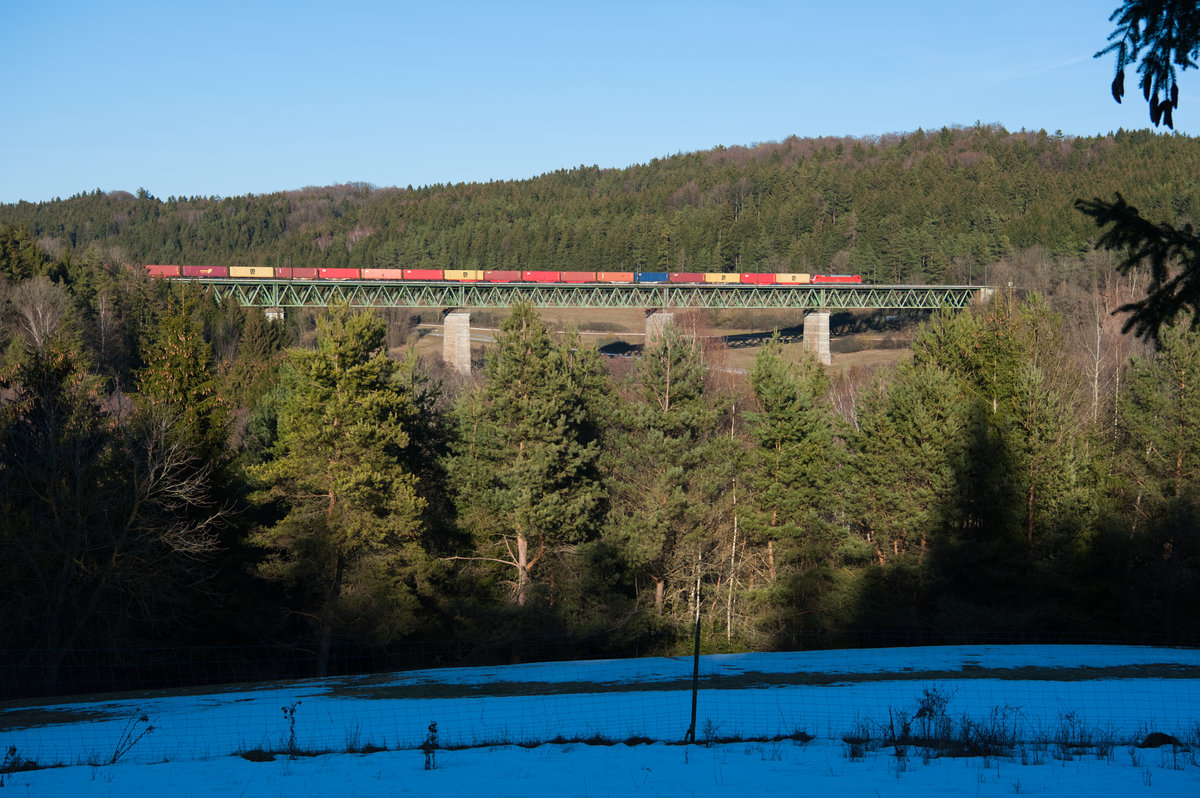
378 294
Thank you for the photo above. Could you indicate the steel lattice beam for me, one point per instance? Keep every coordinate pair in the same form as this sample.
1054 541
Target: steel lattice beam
292 294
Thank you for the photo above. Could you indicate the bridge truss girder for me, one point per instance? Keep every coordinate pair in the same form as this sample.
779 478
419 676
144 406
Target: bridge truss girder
322 293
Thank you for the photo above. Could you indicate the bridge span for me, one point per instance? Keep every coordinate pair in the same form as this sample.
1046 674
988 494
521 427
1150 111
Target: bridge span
659 300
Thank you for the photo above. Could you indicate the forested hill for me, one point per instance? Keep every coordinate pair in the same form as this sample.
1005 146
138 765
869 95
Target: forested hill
921 207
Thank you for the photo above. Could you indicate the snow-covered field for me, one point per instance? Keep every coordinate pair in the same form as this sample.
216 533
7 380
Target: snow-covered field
1071 718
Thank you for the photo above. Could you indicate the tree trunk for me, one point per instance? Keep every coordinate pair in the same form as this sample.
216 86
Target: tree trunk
327 615
523 580
1029 512
732 578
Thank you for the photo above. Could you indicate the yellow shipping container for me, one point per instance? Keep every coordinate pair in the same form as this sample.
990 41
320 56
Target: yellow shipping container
251 271
793 278
722 277
463 275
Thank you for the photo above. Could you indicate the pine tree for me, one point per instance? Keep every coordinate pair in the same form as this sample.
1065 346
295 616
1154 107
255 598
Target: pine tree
1022 503
177 380
1159 462
20 257
343 474
668 465
793 498
1044 443
906 456
1159 417
793 458
525 470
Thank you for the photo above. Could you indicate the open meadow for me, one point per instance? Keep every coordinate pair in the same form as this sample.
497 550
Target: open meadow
956 720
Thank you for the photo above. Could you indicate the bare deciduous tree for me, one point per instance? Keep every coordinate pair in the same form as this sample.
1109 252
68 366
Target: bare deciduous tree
40 308
108 519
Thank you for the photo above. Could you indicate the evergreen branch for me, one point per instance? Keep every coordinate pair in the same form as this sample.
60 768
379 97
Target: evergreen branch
1163 34
1173 255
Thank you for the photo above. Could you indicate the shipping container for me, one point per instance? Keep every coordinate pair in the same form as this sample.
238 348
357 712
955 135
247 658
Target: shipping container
757 279
336 273
837 278
463 275
540 277
162 271
687 277
383 274
296 272
205 271
422 274
577 277
793 278
502 276
722 277
615 277
653 277
251 271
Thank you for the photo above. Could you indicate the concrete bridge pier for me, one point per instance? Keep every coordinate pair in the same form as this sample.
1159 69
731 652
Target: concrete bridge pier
816 335
656 321
456 341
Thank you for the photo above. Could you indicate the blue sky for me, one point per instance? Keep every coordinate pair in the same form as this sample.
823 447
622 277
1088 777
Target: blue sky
230 98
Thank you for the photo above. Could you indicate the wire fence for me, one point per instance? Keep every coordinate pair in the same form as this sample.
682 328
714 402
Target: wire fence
30 675
1079 694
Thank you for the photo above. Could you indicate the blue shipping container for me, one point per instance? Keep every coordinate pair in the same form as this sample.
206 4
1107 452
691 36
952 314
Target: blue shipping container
653 277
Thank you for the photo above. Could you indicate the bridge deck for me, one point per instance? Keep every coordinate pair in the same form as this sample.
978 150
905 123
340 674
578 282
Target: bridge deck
322 293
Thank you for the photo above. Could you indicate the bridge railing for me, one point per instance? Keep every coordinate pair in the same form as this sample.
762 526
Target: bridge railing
318 293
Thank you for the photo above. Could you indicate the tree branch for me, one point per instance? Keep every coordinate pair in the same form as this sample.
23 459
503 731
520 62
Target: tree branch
1172 254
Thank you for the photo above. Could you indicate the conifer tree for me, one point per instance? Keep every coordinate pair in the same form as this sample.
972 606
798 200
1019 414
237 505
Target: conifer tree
20 258
1158 459
1044 443
1159 420
793 498
525 470
668 465
793 458
1022 502
906 457
177 380
259 348
343 476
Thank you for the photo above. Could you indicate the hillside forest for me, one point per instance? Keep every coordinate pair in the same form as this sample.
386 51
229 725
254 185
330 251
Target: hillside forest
177 474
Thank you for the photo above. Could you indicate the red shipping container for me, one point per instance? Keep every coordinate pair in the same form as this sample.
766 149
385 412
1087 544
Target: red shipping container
541 277
162 271
687 277
205 271
422 274
837 278
615 277
758 279
337 274
578 277
383 274
502 276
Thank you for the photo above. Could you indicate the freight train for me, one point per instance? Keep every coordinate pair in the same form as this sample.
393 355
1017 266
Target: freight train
500 275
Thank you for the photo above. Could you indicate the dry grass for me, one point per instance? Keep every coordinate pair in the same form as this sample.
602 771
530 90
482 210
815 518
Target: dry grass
736 332
383 686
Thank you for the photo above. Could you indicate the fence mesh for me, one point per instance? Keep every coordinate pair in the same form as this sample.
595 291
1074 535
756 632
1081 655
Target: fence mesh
1031 693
